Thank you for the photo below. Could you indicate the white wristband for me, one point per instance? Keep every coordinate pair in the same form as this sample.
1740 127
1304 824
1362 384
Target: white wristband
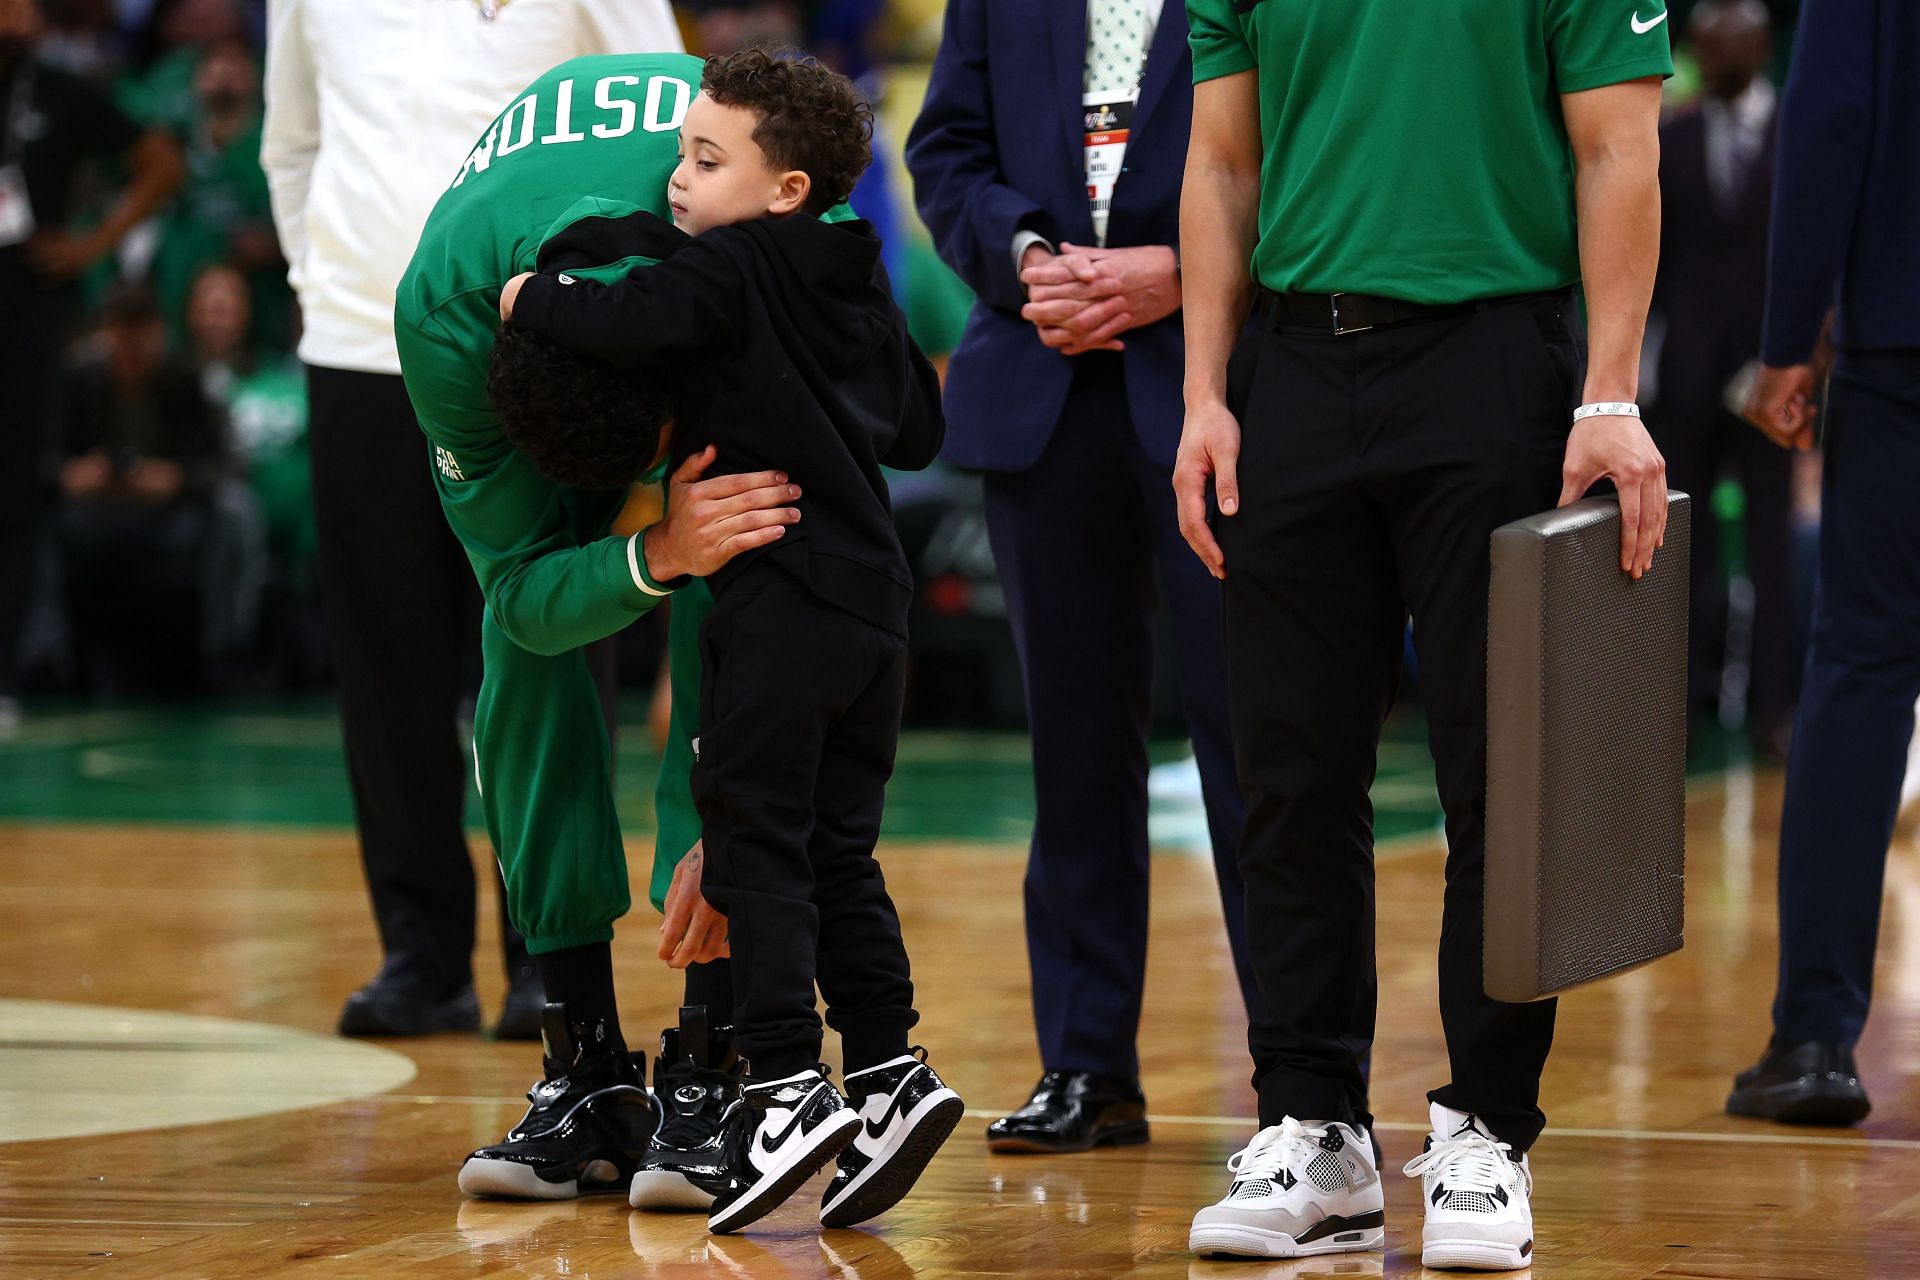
1611 409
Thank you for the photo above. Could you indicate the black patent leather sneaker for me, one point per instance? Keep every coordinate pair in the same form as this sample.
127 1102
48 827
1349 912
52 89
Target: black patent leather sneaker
779 1134
1808 1083
906 1113
404 1000
696 1078
586 1128
1074 1111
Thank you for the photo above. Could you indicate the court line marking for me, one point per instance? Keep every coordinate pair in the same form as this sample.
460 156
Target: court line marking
1248 1123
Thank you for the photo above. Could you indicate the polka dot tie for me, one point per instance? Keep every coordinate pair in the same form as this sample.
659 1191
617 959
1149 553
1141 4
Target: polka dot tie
1116 45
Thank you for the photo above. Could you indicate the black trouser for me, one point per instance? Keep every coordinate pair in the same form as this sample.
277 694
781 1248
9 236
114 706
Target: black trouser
33 335
1080 540
799 720
1849 753
403 618
1699 441
1373 468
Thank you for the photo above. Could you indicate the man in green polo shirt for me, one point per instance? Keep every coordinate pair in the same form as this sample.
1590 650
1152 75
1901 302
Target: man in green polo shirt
594 136
1403 196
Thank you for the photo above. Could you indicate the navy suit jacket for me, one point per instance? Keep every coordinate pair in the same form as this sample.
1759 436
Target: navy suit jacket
1713 265
999 147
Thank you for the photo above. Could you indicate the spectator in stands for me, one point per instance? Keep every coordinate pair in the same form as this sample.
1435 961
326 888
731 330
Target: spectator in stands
264 398
53 126
223 212
175 37
1716 170
143 456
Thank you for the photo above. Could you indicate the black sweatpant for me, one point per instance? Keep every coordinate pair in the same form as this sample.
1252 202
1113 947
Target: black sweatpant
403 619
1373 468
799 721
33 335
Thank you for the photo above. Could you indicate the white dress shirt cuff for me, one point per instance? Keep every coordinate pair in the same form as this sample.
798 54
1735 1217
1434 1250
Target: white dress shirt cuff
1022 241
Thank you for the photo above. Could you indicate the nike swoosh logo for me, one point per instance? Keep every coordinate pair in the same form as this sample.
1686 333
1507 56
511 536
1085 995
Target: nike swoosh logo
771 1144
1641 28
875 1129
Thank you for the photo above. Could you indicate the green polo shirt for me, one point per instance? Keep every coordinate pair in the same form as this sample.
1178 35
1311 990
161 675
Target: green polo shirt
1415 149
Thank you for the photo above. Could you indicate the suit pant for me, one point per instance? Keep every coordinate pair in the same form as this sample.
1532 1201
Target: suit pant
403 619
33 335
1856 718
1700 441
1079 540
1373 469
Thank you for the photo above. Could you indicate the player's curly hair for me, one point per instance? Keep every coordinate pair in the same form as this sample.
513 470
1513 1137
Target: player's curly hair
583 422
811 119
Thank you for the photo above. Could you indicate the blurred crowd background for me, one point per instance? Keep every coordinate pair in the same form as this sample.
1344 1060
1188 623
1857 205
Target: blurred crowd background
156 532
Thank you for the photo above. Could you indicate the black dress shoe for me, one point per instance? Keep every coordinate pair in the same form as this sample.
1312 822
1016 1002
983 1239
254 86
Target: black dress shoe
400 1002
1074 1111
1810 1083
525 1005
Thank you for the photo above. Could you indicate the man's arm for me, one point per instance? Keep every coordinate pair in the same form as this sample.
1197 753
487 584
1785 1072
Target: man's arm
155 170
1219 222
958 186
1615 134
1825 114
290 135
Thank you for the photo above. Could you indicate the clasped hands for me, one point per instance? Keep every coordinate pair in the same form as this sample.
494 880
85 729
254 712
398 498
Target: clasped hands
1082 299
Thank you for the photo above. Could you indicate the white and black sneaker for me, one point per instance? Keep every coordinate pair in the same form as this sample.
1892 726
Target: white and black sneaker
696 1078
586 1128
1300 1189
1478 1197
906 1113
777 1135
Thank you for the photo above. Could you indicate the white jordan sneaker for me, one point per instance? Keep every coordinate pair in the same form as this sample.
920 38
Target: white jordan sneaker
1478 1197
1299 1190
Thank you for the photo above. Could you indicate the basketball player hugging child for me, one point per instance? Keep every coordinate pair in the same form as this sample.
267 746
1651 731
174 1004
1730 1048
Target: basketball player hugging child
774 333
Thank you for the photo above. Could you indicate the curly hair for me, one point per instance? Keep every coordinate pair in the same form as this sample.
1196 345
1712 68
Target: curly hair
583 422
811 119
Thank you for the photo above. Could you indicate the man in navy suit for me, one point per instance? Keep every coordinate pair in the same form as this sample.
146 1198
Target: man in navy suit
1845 194
1047 163
1716 170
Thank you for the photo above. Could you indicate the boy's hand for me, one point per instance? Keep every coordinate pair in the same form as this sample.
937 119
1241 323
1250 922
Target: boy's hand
510 292
693 932
709 522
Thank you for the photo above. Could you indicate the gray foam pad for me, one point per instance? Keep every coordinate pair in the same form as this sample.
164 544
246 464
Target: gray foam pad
1586 751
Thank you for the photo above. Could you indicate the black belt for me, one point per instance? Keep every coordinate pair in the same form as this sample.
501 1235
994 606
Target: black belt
1341 313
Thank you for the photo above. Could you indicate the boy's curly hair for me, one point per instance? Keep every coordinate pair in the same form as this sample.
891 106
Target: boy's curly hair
583 422
811 119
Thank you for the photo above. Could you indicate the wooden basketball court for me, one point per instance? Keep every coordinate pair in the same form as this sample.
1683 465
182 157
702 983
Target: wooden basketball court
172 1103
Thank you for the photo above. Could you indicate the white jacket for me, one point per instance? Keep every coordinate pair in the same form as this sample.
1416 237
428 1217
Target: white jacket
372 105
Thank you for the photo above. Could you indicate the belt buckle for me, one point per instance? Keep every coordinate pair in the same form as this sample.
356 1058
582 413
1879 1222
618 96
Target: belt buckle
1340 329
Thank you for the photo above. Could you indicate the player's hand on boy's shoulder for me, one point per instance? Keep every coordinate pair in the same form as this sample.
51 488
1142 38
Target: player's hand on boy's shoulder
510 292
709 522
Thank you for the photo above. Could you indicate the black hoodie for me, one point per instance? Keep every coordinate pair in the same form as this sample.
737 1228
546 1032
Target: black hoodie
786 352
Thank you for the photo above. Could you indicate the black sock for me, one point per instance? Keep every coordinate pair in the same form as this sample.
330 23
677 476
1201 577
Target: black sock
711 985
581 978
869 1044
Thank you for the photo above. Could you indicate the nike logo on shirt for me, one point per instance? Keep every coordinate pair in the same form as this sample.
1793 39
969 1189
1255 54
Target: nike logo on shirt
1641 28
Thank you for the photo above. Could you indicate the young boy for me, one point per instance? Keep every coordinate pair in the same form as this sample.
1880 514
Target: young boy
780 342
